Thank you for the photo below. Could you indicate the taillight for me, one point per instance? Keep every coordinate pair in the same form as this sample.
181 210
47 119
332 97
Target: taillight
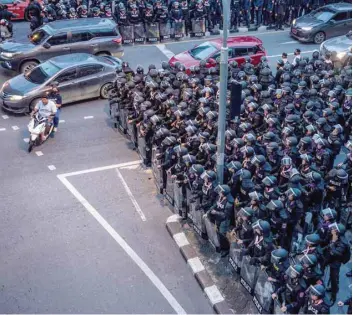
117 40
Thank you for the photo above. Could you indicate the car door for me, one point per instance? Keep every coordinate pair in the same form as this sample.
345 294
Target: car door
255 54
80 42
339 24
239 54
58 46
68 87
88 80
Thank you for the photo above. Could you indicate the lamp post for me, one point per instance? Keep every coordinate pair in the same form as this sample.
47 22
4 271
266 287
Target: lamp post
223 93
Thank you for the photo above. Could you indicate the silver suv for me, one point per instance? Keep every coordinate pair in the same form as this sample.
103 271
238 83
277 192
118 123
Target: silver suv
93 36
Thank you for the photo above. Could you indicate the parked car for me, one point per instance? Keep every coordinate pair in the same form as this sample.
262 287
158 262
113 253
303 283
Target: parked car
80 77
239 47
17 7
93 36
340 49
323 23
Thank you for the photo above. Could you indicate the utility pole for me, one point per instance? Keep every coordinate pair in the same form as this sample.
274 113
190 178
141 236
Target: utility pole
223 93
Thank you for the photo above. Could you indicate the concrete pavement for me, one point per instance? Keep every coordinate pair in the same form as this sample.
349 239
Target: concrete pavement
59 256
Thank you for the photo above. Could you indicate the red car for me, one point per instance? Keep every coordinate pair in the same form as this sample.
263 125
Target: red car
17 7
239 47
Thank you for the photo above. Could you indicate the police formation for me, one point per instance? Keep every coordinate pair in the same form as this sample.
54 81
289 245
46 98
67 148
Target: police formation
282 213
155 20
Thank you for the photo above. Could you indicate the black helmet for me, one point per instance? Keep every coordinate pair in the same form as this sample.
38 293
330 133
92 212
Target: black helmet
270 181
169 141
262 225
295 271
258 160
254 195
224 189
189 159
293 192
197 169
308 260
338 227
180 150
210 175
279 255
234 166
246 212
313 239
330 213
275 205
317 290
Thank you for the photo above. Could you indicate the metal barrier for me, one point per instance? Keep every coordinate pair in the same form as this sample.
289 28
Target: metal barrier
122 120
248 275
212 233
263 294
169 189
179 206
141 145
157 169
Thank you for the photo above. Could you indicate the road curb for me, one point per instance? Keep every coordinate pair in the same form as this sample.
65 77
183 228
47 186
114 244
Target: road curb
202 276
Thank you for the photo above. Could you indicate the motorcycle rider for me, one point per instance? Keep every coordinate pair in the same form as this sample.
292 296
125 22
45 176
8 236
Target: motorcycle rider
55 96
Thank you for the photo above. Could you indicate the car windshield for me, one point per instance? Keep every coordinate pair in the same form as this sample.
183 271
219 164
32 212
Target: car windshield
323 15
38 37
203 51
42 73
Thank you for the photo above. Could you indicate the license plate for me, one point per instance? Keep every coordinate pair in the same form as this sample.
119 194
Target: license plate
294 31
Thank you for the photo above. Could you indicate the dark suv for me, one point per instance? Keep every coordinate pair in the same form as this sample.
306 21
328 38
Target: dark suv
93 36
328 21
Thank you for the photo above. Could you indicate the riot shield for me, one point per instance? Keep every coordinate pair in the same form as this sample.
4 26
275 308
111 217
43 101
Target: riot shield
156 169
179 199
198 28
152 32
345 216
197 219
188 196
164 31
277 307
123 120
308 223
248 274
212 233
236 256
127 33
132 133
262 294
114 114
139 33
179 29
169 189
141 145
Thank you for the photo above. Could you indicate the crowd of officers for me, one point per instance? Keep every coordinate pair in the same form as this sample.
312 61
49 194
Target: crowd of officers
271 13
280 160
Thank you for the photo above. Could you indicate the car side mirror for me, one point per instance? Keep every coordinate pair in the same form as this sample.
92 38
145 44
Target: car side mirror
211 61
46 45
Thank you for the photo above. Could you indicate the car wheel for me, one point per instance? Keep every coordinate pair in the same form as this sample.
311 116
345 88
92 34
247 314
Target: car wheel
28 66
33 104
319 37
105 90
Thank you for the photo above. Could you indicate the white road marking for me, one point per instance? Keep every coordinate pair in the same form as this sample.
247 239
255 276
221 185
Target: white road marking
181 239
26 140
125 246
102 168
131 196
174 218
2 129
195 264
39 153
213 294
15 128
291 54
52 167
61 121
291 42
5 116
168 53
130 167
88 117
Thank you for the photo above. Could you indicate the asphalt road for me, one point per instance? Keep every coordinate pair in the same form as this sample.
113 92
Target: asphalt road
93 241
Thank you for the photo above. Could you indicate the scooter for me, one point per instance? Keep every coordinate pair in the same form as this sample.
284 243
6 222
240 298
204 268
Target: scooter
36 127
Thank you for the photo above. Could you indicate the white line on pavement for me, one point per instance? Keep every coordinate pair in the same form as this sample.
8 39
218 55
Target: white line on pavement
125 246
169 54
52 167
39 153
291 54
5 116
88 117
2 129
61 121
103 168
26 140
131 196
291 42
213 294
15 128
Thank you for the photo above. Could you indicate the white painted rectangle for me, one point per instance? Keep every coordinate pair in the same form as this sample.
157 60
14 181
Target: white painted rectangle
195 264
88 117
52 167
61 121
2 129
181 239
15 128
26 140
39 153
213 294
5 117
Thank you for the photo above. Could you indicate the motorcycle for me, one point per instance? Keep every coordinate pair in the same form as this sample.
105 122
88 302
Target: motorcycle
36 127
